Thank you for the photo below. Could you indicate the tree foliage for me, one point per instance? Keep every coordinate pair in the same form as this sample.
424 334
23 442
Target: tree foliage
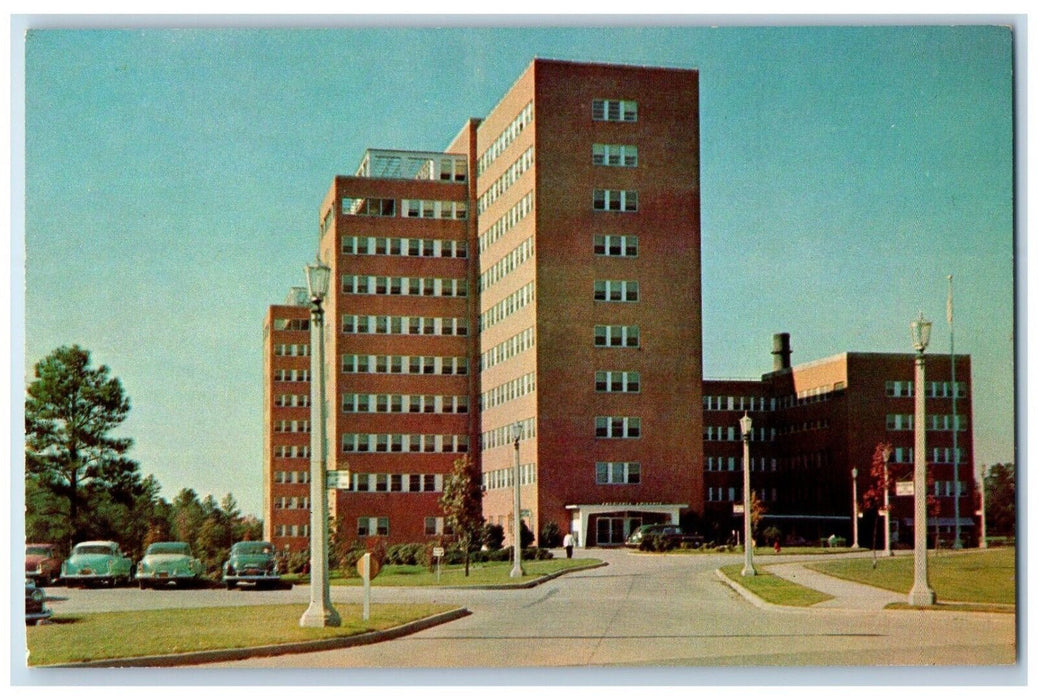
462 504
1000 499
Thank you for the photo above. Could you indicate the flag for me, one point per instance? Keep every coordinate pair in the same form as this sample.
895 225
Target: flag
949 300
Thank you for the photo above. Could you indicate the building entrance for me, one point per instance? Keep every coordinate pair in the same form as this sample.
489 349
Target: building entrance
613 531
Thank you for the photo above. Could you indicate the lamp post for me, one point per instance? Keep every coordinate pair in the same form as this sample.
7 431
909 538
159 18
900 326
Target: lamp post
746 423
983 513
957 544
320 613
886 502
921 593
854 506
517 520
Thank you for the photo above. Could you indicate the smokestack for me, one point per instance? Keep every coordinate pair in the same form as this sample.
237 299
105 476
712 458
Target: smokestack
781 351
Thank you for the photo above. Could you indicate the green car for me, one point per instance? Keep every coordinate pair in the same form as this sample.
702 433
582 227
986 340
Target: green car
251 562
168 562
99 561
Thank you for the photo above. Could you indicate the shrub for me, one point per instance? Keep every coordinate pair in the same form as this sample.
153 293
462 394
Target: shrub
551 535
493 536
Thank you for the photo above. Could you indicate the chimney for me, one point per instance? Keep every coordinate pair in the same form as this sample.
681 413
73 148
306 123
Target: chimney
781 351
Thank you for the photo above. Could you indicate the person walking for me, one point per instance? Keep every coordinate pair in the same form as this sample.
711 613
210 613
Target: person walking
567 542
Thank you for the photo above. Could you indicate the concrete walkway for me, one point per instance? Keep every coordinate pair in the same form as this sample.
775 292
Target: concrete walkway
847 595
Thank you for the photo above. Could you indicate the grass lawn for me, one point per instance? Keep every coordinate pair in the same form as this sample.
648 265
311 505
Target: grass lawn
774 589
97 636
973 576
484 574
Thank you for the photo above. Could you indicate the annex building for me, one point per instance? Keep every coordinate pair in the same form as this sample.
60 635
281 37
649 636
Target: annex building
536 283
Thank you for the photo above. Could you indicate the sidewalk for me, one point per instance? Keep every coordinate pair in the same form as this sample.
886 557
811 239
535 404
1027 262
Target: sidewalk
847 595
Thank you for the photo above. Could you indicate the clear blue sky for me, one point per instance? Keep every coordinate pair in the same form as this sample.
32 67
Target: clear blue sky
173 180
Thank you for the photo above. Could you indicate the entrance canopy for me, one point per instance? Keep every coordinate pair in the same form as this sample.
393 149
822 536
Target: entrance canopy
582 513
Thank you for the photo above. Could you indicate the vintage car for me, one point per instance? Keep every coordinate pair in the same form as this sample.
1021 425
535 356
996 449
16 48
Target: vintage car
251 562
671 535
42 563
99 561
166 563
36 610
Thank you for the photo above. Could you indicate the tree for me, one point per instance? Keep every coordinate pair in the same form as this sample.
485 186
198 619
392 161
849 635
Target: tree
462 504
71 409
881 479
1000 499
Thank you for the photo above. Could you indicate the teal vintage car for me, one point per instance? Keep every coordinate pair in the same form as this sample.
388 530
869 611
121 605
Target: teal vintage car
166 563
251 562
100 561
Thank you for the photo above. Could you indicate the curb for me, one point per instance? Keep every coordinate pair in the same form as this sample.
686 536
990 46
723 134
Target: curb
745 593
527 584
217 655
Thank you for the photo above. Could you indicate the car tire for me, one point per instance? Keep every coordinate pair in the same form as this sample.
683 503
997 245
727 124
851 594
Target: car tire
231 585
143 585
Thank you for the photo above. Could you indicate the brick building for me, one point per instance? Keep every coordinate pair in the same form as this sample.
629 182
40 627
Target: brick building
540 279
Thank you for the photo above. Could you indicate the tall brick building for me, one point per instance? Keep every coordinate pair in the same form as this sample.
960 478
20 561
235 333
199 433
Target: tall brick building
539 279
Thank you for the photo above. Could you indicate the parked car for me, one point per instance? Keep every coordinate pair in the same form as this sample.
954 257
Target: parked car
166 563
100 561
672 534
42 563
36 609
251 562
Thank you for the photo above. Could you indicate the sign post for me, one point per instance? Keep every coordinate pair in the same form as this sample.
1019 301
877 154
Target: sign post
438 553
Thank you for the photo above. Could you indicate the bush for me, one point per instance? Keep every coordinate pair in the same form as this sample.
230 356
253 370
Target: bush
410 554
551 535
493 536
656 543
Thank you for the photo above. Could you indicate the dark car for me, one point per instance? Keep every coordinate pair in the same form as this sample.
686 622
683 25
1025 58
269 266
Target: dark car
672 535
36 610
42 562
251 562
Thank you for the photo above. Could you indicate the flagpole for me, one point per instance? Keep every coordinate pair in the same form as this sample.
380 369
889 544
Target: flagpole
955 421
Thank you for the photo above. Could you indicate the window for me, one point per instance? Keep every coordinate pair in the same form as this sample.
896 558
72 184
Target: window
615 200
616 290
614 155
372 526
628 382
618 473
614 110
617 336
616 246
618 427
368 206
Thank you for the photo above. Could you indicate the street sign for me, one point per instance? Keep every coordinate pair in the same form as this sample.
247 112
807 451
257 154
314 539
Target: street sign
437 551
337 479
905 488
737 509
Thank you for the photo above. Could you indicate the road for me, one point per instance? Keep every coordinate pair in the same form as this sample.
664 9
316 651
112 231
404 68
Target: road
641 610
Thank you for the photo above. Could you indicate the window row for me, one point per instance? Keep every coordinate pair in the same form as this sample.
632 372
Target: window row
802 426
373 526
506 434
626 382
615 200
512 303
437 526
512 260
616 246
292 451
505 138
291 324
397 483
291 530
520 342
292 503
291 375
404 364
733 433
948 489
292 477
367 206
291 426
934 390
614 110
734 464
738 403
404 403
409 286
433 209
509 391
292 400
614 155
292 350
617 336
616 290
721 494
622 427
404 325
618 473
505 478
409 247
938 455
902 421
508 220
507 179
381 442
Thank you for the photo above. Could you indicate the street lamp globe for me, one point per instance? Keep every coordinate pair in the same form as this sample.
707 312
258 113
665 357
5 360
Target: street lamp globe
318 276
920 333
746 423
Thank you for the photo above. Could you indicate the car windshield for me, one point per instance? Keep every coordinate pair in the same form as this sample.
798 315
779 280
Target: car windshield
168 548
253 548
93 549
45 551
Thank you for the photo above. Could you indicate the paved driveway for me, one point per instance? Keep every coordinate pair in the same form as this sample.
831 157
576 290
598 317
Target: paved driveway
657 611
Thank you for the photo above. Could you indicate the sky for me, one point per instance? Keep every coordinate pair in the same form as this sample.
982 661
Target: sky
173 178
